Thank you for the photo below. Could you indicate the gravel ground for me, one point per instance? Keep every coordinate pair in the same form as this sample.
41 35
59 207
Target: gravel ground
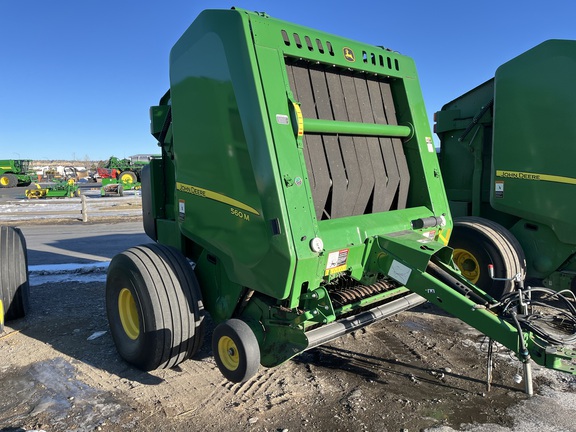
419 370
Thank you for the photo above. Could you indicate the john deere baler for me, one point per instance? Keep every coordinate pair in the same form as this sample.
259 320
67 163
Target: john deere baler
298 174
507 158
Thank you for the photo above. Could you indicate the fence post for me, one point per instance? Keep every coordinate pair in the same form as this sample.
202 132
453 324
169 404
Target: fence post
84 210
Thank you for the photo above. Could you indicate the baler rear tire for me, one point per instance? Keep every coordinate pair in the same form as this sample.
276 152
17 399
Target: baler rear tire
1 316
236 350
154 307
8 180
14 283
478 242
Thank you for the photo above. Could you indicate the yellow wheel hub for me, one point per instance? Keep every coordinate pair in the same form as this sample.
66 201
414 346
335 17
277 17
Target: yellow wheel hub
128 313
4 181
126 179
468 265
228 353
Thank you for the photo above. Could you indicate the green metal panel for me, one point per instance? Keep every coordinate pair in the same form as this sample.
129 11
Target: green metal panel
534 115
464 127
242 188
226 195
507 151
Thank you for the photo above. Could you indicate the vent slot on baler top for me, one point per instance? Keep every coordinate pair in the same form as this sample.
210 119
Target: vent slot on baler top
349 175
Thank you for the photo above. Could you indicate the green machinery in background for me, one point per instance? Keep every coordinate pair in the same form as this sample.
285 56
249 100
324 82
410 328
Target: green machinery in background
16 172
119 175
299 174
508 149
58 188
126 171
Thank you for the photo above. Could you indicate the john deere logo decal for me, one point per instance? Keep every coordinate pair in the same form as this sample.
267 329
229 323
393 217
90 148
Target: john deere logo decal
348 54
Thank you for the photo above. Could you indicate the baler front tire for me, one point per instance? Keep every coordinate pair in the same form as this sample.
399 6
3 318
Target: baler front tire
14 283
478 242
154 307
236 350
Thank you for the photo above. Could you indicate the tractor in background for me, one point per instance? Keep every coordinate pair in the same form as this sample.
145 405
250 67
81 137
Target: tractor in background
16 172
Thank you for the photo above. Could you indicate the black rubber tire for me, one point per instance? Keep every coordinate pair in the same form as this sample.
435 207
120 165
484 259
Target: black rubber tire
14 283
130 174
167 301
236 335
8 180
488 243
1 315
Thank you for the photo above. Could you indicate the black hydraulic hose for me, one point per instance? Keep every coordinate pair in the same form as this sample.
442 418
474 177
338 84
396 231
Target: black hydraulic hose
530 321
523 351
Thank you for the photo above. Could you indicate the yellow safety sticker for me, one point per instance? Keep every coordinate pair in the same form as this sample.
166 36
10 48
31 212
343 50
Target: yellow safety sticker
336 262
534 176
444 238
205 193
299 119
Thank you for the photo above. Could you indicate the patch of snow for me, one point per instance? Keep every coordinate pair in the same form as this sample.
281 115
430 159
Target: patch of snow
54 273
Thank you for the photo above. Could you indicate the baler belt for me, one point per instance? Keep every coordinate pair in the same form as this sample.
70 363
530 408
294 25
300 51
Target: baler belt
349 175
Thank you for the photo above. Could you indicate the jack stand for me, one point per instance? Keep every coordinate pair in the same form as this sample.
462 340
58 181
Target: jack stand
489 364
522 309
528 389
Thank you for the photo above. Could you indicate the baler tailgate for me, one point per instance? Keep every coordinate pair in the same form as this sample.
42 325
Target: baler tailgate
349 175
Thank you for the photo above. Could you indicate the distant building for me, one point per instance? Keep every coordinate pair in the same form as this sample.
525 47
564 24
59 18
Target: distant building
144 157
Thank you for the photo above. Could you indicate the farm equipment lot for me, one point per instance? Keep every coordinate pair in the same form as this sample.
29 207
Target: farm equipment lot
15 207
420 369
417 370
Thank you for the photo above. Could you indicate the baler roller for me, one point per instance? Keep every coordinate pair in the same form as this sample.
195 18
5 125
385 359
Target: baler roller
343 296
321 335
354 128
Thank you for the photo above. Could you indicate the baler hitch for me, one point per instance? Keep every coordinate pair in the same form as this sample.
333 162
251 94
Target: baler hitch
535 323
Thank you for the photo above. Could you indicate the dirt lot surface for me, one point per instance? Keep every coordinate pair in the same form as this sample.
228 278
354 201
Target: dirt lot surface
414 371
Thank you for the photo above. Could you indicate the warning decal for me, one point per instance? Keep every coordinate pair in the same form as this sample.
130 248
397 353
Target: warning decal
181 209
336 262
499 189
299 119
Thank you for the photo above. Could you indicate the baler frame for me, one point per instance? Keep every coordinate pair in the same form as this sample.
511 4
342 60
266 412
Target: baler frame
275 245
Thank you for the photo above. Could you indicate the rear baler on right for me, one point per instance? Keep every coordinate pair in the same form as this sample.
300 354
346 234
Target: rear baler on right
298 173
508 154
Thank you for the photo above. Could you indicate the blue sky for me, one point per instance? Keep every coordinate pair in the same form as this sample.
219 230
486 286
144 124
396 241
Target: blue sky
77 77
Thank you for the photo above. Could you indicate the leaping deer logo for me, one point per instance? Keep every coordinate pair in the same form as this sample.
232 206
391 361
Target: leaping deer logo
348 54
